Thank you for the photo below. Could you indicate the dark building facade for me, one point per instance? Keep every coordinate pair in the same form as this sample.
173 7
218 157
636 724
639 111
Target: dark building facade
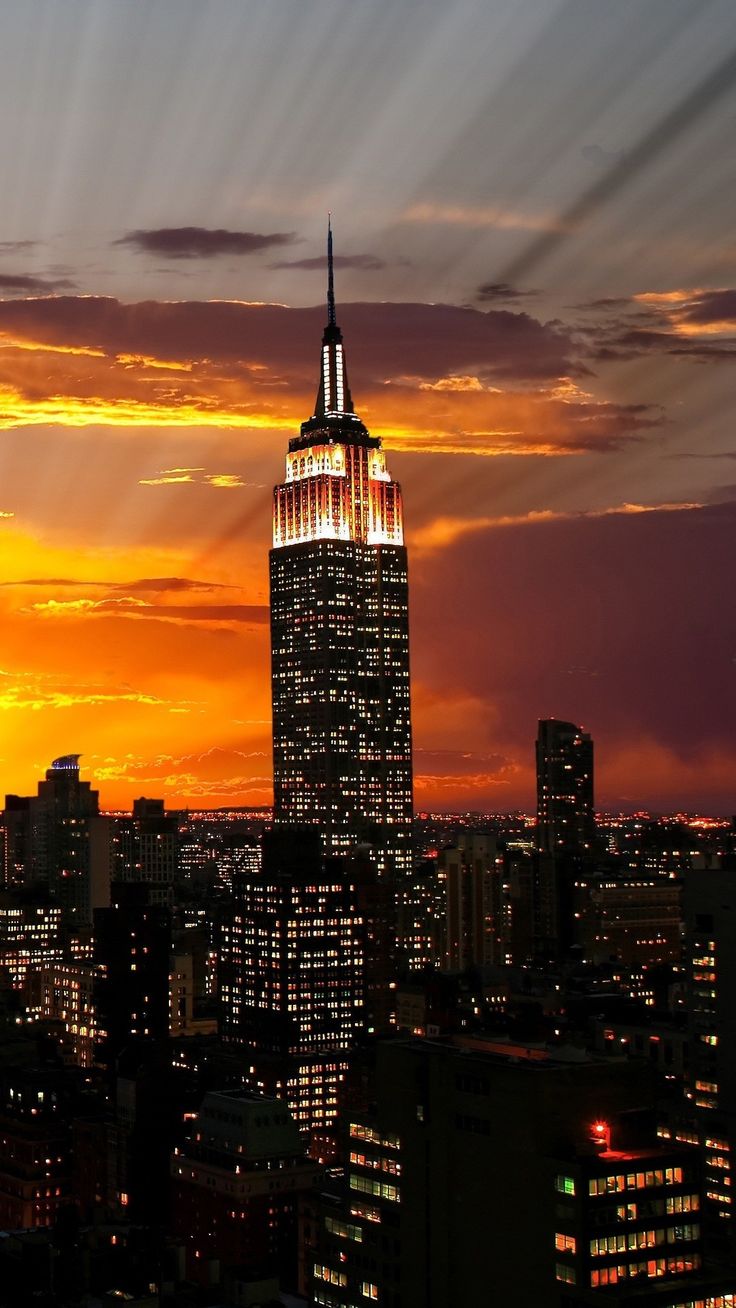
340 630
708 1119
565 835
132 949
56 841
236 1186
509 1178
565 812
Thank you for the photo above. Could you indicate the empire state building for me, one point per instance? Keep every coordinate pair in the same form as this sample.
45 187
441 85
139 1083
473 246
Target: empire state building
340 629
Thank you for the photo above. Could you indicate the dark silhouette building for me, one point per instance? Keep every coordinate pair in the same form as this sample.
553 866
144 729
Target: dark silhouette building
236 1187
132 948
708 1119
340 630
492 1175
565 811
565 836
56 841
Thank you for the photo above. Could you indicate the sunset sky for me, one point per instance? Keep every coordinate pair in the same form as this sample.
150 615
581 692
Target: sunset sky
533 210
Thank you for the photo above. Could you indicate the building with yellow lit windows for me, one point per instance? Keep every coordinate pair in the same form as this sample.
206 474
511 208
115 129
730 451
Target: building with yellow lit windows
707 1120
340 630
513 1178
291 978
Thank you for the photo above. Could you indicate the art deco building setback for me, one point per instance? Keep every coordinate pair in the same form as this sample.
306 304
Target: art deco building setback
340 629
236 1188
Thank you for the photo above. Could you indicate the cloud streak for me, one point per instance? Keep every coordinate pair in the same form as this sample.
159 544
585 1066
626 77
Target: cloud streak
127 606
201 242
362 262
30 284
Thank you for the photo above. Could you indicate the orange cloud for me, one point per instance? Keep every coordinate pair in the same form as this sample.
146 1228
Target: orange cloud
456 215
445 531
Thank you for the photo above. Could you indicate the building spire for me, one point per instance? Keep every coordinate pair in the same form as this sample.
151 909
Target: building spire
333 396
331 320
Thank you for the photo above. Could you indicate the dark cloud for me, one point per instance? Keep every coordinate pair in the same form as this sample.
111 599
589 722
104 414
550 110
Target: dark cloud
501 291
686 323
607 302
692 454
170 584
709 306
363 262
653 627
708 353
27 283
127 606
202 242
144 585
252 614
12 247
423 340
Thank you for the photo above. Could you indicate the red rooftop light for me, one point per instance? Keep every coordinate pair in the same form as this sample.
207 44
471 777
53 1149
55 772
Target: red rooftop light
601 1134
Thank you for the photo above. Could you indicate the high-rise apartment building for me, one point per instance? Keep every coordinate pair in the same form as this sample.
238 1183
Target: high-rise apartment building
145 848
29 936
291 977
565 812
565 836
132 949
474 920
709 1117
56 841
340 629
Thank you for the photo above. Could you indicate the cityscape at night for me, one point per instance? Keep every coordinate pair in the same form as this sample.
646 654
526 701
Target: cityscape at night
367 726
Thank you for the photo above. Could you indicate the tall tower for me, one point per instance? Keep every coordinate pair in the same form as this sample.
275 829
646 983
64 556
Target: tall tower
340 629
565 812
565 836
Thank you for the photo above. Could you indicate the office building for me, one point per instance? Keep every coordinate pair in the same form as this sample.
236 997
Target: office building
236 1187
565 836
62 842
145 848
132 949
30 936
61 993
291 974
498 1174
708 1117
565 811
476 924
35 1163
16 828
339 630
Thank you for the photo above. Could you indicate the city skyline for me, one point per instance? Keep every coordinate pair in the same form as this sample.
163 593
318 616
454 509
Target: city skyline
541 332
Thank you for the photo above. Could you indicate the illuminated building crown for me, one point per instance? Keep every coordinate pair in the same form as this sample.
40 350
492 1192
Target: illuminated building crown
337 486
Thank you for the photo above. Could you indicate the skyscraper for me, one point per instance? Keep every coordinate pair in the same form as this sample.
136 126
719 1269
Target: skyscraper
58 842
565 813
565 836
339 629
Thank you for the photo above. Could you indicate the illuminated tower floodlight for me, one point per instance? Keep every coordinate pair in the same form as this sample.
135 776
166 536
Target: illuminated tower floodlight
339 628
